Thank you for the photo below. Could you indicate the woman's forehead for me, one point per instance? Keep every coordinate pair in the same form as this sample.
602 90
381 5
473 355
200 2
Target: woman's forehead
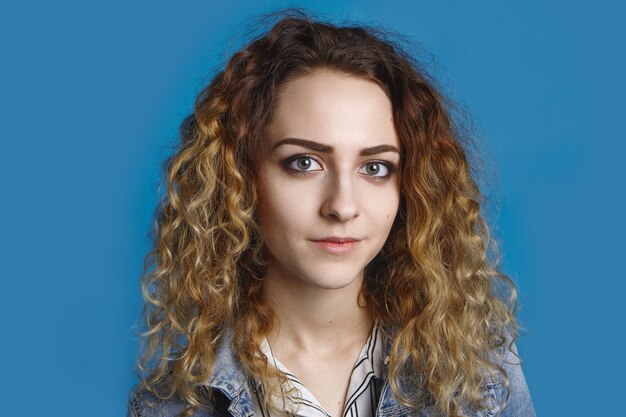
334 108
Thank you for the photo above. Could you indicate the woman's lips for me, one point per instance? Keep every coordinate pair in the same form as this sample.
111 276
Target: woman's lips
336 248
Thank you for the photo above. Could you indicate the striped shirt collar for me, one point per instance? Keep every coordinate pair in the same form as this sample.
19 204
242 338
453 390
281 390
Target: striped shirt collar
363 390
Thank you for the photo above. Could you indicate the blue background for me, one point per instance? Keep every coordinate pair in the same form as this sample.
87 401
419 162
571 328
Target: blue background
91 95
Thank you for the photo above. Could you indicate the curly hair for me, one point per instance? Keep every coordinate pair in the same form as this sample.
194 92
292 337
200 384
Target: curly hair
434 286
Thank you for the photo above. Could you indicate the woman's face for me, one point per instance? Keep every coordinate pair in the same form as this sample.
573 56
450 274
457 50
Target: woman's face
328 183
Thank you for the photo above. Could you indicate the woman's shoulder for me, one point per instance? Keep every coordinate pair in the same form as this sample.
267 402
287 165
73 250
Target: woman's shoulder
502 392
509 388
143 403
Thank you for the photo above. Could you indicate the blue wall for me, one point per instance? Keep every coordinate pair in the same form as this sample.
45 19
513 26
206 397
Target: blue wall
90 99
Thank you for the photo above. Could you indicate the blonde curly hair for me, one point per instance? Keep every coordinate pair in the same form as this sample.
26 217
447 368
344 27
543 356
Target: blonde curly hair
433 287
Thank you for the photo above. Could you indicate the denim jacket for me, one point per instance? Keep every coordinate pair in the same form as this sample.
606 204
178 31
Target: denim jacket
232 395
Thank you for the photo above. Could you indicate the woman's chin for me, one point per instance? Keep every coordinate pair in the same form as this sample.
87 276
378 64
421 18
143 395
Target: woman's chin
335 281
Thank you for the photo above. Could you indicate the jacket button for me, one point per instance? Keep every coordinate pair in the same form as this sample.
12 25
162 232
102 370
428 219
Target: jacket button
386 361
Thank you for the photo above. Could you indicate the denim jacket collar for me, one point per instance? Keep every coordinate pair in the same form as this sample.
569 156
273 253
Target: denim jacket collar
229 377
388 405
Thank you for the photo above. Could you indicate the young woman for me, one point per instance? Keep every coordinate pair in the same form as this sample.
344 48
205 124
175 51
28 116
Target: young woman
320 250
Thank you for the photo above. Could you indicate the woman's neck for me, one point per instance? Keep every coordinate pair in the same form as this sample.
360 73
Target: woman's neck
312 319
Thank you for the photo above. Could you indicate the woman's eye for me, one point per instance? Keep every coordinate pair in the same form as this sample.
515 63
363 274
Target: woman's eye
303 163
376 169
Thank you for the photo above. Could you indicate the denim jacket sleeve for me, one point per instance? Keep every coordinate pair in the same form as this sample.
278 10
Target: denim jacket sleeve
142 403
519 403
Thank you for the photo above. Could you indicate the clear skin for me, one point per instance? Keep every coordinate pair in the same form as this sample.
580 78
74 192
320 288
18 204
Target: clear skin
309 194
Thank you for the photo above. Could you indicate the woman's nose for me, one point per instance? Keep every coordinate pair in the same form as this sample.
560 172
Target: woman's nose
341 200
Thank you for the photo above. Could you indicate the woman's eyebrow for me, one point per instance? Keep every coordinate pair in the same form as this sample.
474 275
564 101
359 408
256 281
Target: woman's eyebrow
374 150
320 147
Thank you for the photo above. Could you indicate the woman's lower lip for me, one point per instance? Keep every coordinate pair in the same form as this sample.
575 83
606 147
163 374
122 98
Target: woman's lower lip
336 248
